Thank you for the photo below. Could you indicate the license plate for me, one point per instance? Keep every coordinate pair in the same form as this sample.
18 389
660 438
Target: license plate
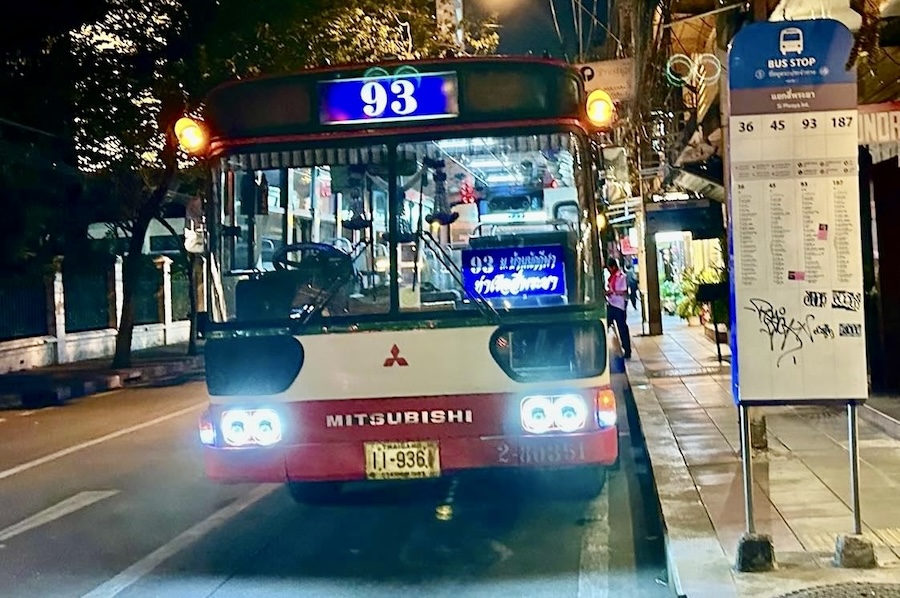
402 460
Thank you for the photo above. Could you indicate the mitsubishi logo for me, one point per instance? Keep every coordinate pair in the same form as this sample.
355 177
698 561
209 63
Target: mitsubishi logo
395 358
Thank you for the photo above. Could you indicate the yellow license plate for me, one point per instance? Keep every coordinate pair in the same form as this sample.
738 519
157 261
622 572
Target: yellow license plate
402 460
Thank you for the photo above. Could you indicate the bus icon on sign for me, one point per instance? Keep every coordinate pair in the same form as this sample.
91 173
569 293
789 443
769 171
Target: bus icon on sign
791 41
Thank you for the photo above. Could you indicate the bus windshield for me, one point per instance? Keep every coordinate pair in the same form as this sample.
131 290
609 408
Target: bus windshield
498 223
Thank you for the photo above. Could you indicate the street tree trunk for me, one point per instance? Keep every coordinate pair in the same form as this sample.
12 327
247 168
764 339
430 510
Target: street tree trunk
131 264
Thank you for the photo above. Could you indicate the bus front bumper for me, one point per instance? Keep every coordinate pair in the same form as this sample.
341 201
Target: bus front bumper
346 461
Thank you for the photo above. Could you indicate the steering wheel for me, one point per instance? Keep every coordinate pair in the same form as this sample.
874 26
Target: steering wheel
314 255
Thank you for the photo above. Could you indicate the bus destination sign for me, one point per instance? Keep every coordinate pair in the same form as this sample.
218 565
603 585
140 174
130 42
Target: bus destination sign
407 97
510 272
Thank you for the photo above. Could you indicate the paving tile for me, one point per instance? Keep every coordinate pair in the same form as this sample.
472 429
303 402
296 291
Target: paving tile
801 484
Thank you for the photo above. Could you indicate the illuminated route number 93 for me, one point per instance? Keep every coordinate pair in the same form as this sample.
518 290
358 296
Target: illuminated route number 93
377 96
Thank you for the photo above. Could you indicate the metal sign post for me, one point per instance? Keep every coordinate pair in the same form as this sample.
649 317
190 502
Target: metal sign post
747 468
797 318
853 449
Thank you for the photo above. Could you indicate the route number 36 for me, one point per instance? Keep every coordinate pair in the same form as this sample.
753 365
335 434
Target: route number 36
399 95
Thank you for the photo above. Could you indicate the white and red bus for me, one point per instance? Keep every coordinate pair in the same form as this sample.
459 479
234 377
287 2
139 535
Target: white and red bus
405 276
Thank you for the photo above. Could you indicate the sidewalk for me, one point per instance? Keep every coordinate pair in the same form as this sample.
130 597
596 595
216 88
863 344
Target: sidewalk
59 383
801 492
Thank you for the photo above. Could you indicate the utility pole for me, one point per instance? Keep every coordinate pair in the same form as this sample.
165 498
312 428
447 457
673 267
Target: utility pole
449 15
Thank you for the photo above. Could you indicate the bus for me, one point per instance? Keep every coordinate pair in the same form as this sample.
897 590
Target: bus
404 275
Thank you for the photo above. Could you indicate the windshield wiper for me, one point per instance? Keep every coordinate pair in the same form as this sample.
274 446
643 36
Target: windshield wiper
321 300
483 305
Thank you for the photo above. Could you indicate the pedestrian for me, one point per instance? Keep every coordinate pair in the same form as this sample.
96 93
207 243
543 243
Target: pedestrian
632 278
616 298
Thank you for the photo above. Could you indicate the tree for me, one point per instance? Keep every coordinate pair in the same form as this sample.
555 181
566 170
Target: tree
145 64
38 178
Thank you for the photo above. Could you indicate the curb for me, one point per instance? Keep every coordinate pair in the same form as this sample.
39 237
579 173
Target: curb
39 392
696 561
880 420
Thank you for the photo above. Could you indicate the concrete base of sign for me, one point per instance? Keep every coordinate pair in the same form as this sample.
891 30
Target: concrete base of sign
854 552
755 554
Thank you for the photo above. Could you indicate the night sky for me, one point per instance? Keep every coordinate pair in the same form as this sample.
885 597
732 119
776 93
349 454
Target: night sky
527 25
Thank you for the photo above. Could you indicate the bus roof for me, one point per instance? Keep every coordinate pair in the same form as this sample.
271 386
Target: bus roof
387 64
395 94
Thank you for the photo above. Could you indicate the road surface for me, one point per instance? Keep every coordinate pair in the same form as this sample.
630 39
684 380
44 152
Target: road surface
106 497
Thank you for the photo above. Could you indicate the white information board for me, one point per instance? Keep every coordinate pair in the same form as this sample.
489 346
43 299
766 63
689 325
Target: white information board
796 249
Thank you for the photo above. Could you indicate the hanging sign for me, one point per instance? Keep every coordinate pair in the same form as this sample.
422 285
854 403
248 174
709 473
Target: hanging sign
515 272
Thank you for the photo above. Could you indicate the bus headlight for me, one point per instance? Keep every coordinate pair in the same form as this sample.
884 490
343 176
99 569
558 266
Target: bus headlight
261 427
236 427
537 414
560 413
571 412
265 427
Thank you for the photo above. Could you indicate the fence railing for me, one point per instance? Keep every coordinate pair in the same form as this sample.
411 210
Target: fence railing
24 308
83 300
87 300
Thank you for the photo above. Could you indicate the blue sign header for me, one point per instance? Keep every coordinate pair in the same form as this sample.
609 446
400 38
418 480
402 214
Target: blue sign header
790 53
388 99
512 272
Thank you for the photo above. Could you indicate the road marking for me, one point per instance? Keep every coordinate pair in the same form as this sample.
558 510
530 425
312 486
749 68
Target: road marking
33 411
78 447
593 570
57 511
146 565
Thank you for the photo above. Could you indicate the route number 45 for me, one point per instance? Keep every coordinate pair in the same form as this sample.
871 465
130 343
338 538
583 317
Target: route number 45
399 95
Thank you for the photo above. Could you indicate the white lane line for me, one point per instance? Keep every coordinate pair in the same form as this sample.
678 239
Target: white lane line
593 570
78 447
146 565
30 412
57 511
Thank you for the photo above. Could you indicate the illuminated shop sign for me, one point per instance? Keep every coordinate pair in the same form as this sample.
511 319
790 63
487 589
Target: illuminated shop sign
389 98
506 272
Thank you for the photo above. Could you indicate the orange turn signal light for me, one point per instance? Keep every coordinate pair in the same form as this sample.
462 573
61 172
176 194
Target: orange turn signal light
600 108
192 136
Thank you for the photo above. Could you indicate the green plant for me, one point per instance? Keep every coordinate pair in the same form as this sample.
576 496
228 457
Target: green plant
670 295
688 306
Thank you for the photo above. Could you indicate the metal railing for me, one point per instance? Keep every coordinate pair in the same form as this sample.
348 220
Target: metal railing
23 305
87 300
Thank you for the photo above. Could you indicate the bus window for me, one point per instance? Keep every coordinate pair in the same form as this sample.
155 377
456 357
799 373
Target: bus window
314 247
502 218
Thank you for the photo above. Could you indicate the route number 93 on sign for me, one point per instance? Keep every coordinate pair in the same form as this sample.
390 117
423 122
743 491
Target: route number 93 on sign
389 98
374 95
402 460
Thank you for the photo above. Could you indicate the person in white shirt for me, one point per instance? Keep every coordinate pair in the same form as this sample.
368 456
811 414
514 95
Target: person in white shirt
616 299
